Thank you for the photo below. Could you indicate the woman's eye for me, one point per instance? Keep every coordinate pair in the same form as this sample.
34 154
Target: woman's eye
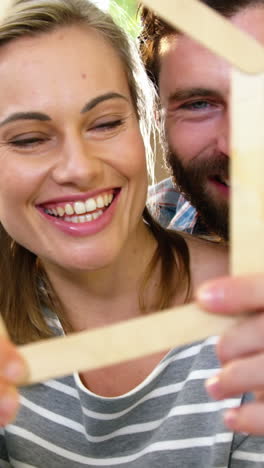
27 141
108 125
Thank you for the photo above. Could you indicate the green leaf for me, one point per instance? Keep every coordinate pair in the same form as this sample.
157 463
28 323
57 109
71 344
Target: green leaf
124 13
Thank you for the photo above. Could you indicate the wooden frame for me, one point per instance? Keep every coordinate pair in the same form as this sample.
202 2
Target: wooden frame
134 338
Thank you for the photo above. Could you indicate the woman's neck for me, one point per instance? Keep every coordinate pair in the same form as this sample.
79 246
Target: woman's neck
96 298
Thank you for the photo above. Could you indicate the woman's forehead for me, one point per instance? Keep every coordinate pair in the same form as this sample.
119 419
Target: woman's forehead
65 63
66 39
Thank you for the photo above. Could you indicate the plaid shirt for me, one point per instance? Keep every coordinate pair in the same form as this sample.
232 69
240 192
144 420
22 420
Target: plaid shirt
172 210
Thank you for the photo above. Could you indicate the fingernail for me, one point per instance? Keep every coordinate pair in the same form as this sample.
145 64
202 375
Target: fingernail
209 295
230 418
204 294
15 371
213 387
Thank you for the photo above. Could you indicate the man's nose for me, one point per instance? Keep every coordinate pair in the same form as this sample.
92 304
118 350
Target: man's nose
223 140
223 145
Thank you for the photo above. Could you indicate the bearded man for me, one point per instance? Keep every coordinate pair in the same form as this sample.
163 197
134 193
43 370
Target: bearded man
194 88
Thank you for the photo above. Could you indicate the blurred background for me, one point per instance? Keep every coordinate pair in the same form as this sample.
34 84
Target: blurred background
124 12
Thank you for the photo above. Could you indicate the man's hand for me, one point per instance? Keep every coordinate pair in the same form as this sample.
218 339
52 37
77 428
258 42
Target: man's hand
241 349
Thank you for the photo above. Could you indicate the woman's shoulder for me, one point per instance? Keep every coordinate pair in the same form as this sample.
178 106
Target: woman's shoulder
207 259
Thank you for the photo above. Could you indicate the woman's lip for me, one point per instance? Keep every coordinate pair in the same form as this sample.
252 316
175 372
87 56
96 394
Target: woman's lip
78 197
83 229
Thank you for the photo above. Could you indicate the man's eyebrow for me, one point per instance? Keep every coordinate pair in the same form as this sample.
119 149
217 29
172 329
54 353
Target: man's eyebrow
25 116
97 100
183 94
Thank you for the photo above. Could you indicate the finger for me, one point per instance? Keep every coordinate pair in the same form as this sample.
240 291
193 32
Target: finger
232 295
248 418
237 377
259 396
245 338
12 366
9 403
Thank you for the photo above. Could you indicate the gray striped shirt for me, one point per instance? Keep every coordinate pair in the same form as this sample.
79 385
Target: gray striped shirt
168 421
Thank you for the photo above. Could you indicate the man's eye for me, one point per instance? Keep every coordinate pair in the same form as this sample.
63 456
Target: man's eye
196 105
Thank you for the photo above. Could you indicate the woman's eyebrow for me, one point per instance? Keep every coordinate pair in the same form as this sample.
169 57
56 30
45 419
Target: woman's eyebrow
31 115
97 100
25 116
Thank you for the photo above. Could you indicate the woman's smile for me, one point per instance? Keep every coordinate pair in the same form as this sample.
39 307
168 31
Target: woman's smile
80 215
77 157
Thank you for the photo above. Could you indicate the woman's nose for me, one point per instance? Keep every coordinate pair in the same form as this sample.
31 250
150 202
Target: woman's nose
78 164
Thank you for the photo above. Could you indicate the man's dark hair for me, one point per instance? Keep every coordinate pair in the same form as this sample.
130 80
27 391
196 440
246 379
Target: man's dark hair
154 29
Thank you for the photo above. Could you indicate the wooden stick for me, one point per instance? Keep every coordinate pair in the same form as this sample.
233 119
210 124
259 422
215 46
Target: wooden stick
247 141
213 31
4 5
121 342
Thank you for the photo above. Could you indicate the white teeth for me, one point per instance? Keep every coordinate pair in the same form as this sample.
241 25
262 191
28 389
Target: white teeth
79 208
106 203
97 214
224 181
69 209
83 219
60 211
90 205
99 202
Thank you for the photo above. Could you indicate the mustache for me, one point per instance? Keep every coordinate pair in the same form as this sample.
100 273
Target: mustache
191 179
216 165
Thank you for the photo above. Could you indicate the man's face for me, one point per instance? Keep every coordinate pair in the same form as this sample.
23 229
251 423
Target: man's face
194 89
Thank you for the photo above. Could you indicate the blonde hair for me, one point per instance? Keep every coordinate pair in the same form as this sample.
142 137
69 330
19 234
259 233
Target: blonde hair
24 286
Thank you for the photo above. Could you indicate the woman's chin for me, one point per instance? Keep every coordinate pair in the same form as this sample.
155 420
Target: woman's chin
81 263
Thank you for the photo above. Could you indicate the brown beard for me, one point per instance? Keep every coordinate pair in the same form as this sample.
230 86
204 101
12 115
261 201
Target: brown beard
192 181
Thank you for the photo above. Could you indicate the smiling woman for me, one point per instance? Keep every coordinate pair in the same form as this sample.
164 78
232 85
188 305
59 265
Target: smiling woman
68 148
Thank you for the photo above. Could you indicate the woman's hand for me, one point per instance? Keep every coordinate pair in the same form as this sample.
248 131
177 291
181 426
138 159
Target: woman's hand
241 349
12 372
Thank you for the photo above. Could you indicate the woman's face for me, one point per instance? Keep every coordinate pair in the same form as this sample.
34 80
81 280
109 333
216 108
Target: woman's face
73 174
